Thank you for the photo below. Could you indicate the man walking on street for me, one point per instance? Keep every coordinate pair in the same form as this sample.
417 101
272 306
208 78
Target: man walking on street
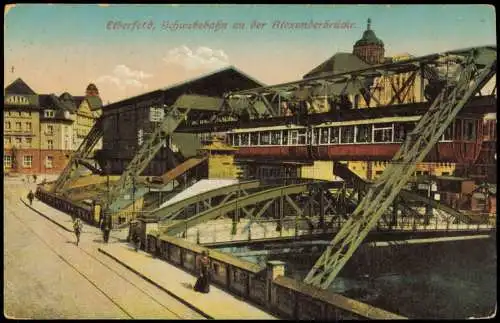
77 226
31 196
106 228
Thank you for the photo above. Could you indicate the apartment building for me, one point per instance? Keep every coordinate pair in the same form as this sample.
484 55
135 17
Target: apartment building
41 130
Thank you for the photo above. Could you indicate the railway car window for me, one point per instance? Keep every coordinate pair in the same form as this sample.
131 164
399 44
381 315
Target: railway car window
285 137
448 133
254 138
265 138
302 137
315 138
347 135
244 139
276 138
364 133
382 132
324 135
236 139
458 130
469 130
294 137
334 135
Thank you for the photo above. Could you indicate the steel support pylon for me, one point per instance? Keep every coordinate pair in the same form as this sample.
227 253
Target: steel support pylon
147 151
382 193
83 152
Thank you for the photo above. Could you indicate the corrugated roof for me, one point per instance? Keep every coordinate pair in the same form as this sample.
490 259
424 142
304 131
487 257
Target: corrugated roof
338 63
215 83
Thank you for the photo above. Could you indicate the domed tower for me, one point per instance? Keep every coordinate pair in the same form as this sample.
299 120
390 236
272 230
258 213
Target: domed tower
92 90
369 48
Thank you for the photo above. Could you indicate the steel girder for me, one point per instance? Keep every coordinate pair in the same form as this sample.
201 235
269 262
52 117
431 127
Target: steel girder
265 196
83 152
478 66
150 147
170 212
362 82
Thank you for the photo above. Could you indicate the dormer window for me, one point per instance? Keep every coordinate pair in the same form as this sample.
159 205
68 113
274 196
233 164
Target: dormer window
49 113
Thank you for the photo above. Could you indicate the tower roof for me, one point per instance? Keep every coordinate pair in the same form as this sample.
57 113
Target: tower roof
369 37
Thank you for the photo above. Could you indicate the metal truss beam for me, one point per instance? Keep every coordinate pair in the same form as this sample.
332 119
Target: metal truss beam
169 212
477 67
83 152
235 204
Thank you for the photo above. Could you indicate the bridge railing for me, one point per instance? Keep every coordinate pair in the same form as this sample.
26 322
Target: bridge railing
224 231
77 210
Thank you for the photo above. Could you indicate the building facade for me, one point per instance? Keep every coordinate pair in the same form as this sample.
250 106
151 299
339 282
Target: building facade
40 129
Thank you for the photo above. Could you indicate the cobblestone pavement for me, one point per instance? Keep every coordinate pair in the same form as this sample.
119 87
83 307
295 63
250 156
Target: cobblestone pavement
46 276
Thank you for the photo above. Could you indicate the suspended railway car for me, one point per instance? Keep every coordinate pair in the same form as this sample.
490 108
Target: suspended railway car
370 139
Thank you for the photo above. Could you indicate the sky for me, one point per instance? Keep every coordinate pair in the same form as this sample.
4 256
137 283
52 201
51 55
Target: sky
131 49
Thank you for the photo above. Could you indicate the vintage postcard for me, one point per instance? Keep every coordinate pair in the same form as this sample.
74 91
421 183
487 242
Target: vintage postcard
324 162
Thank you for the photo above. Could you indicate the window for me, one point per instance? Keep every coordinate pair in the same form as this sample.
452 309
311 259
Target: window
402 130
364 133
7 125
448 133
347 135
19 113
50 144
324 135
27 161
48 161
469 130
334 135
244 139
7 161
275 137
265 138
236 139
302 137
382 132
18 126
254 138
28 126
28 142
285 137
6 141
315 137
50 129
18 141
294 134
49 113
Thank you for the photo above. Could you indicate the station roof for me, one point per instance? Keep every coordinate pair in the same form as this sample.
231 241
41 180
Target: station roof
216 83
338 63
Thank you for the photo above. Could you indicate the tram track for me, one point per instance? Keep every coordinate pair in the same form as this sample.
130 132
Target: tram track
89 279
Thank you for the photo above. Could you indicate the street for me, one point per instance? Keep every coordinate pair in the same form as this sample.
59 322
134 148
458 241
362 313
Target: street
46 276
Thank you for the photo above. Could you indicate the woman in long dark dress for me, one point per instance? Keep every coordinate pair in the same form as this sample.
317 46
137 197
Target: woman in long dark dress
203 283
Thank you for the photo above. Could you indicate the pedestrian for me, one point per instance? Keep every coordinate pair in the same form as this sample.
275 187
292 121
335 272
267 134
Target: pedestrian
28 178
77 226
34 178
106 228
31 196
202 284
137 240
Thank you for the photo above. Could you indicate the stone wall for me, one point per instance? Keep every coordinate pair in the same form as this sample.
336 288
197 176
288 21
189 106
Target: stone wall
267 288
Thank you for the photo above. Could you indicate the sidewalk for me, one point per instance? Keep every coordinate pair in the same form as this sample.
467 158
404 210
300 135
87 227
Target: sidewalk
64 221
176 282
217 304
